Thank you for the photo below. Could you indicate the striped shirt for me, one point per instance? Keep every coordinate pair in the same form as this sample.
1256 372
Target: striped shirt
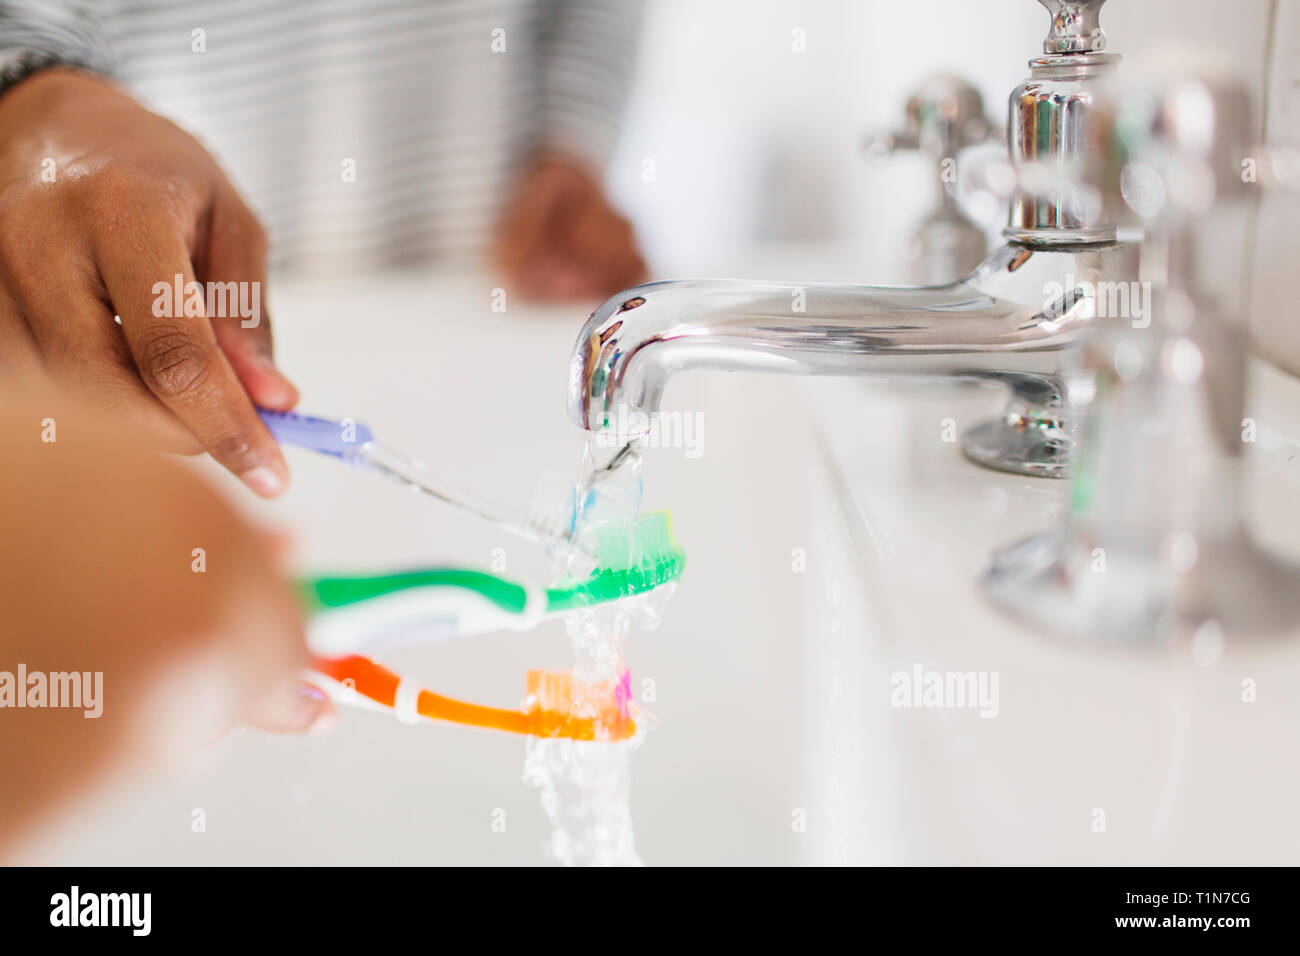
362 132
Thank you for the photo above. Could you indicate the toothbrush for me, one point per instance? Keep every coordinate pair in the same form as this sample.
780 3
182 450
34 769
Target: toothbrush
349 613
355 444
631 560
549 704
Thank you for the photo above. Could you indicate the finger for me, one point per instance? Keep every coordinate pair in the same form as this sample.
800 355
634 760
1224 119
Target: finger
236 253
596 235
530 221
99 368
581 247
18 351
176 353
296 708
80 345
279 547
603 245
545 268
568 280
550 278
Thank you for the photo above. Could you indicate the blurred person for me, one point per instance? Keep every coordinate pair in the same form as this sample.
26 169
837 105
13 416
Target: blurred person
358 134
165 646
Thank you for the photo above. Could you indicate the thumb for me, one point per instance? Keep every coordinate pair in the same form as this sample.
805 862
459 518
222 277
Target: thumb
236 258
296 708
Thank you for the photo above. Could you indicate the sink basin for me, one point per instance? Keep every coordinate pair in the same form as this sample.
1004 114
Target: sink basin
834 538
1091 755
712 784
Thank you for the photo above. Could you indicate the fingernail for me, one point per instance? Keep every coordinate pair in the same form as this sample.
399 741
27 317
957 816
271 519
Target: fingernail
267 364
264 480
311 692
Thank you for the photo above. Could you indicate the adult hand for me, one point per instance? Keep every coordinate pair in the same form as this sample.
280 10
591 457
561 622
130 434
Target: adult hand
103 205
561 239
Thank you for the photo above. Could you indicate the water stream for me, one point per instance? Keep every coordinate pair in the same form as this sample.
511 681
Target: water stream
585 785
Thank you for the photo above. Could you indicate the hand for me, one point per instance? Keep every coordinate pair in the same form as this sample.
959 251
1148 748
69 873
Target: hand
101 572
101 201
561 239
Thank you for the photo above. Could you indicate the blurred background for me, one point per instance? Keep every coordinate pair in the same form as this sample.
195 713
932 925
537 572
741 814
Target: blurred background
755 145
744 132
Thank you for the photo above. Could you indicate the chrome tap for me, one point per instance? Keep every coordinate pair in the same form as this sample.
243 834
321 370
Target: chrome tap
944 115
1154 548
1012 319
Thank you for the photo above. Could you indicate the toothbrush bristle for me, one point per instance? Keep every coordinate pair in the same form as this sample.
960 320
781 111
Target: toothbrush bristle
551 511
649 549
551 702
631 558
659 554
549 690
654 537
614 546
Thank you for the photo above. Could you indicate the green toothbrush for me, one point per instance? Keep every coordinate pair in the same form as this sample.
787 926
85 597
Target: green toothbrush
347 612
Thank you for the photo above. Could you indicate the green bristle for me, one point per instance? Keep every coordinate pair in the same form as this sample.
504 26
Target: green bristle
615 548
629 564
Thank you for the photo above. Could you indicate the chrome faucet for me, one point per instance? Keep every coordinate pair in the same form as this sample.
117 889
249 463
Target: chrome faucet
1012 319
1154 548
943 116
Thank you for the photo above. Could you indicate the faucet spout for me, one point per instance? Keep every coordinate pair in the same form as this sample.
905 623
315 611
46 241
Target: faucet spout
1014 313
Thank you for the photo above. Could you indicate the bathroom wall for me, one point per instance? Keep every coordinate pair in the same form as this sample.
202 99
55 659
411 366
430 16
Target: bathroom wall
748 121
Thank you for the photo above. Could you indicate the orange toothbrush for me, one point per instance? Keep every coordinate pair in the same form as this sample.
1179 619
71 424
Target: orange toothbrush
550 706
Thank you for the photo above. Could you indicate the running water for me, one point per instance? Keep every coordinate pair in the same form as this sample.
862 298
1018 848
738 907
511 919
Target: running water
585 785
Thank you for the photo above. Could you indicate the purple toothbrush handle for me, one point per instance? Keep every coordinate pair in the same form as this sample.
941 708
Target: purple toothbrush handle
340 439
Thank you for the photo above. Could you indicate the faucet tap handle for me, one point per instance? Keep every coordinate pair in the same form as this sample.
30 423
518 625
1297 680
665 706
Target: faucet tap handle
1158 486
1176 145
1047 127
1076 27
943 115
1171 145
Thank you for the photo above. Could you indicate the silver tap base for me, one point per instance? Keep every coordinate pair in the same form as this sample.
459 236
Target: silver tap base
1235 591
1002 446
1033 437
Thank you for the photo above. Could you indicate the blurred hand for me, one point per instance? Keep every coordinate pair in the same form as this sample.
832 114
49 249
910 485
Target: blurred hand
100 199
561 239
126 563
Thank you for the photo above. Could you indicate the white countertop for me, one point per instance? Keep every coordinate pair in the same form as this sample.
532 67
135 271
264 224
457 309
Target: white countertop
480 396
771 683
1184 770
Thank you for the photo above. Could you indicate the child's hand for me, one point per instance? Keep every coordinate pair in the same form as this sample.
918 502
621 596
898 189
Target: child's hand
123 563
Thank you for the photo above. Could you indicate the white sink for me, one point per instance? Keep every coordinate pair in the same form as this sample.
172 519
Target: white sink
819 565
481 396
1162 750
